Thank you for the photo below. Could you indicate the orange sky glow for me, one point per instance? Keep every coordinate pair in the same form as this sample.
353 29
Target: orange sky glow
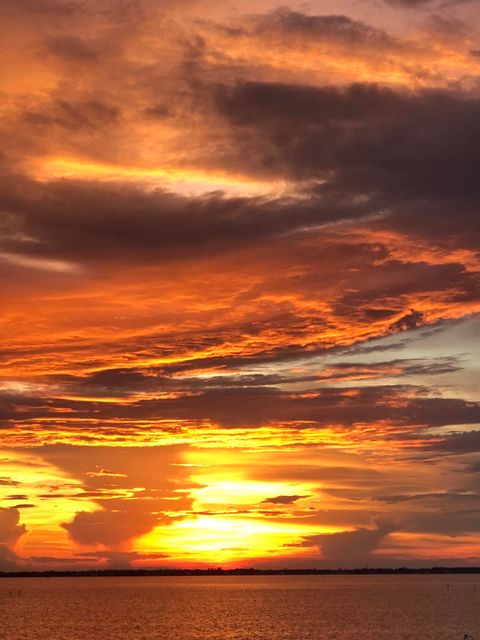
240 275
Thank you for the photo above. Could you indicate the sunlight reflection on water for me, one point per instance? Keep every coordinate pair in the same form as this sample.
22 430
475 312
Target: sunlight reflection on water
241 608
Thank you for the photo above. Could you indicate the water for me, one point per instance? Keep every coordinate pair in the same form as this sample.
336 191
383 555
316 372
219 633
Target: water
241 608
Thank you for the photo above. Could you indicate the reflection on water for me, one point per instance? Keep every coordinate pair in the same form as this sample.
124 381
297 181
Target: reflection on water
241 608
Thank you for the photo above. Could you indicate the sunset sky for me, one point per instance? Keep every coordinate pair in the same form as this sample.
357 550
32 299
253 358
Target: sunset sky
240 283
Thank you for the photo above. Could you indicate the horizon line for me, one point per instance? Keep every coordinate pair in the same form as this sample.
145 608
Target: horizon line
212 571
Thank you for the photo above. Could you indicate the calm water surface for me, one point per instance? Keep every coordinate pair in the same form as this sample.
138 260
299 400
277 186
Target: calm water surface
241 608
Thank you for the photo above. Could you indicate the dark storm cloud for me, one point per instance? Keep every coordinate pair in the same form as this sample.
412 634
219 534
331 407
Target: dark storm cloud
453 502
267 103
105 219
407 153
402 405
131 381
458 443
450 523
329 29
110 528
10 529
375 132
398 280
445 518
451 512
351 548
392 146
128 382
398 147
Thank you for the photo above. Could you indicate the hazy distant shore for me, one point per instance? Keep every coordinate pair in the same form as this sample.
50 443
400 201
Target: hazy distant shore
236 572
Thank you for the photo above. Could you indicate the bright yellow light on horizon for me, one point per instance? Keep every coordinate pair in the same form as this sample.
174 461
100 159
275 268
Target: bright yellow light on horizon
229 520
219 539
242 492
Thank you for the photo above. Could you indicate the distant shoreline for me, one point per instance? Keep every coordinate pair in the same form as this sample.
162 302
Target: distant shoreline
106 573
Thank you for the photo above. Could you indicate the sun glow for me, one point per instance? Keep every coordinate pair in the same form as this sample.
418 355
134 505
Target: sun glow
218 539
242 492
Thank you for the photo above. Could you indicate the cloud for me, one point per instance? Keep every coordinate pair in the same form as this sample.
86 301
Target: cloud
109 528
338 29
403 405
8 559
374 136
88 115
283 499
129 382
456 443
166 226
351 548
9 482
102 559
414 4
446 512
10 532
10 529
138 493
473 467
411 320
451 523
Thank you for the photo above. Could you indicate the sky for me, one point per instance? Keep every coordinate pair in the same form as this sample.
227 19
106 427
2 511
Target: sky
240 283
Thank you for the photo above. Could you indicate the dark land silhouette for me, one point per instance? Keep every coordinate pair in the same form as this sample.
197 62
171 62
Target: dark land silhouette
237 572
